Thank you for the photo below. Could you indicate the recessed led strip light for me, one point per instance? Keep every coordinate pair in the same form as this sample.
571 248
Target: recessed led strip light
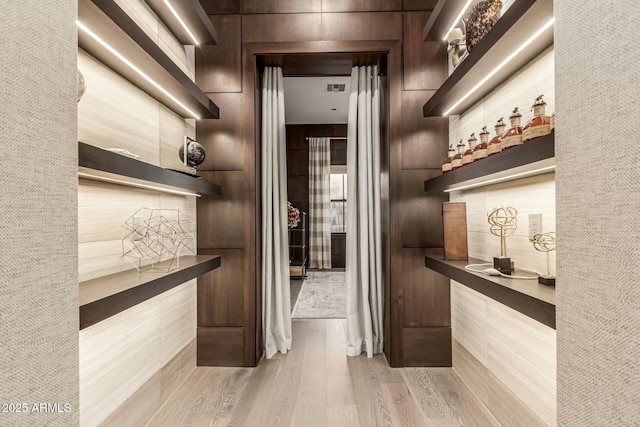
453 25
502 64
502 179
135 184
195 40
133 67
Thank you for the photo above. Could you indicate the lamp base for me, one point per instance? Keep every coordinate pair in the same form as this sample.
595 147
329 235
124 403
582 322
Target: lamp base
547 280
503 264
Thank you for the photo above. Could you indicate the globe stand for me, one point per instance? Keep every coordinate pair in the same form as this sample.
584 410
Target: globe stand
503 223
192 155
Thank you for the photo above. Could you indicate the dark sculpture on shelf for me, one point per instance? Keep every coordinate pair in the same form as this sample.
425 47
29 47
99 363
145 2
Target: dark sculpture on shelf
195 153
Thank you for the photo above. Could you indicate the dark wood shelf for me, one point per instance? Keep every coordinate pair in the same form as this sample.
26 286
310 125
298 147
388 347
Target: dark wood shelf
532 158
97 163
525 296
107 296
441 19
516 26
193 15
112 24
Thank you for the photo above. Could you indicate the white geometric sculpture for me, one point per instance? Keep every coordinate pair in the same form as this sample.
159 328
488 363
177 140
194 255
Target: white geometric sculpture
154 236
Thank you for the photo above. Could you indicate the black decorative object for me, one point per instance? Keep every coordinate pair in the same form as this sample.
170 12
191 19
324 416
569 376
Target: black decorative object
195 153
480 20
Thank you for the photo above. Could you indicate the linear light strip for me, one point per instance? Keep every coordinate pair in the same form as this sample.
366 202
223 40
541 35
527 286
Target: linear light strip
453 25
502 179
184 25
133 67
135 184
502 64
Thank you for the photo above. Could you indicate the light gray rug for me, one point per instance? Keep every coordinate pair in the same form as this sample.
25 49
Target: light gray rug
323 296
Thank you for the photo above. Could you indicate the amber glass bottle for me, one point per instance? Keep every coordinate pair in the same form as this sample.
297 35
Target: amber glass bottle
540 125
495 145
456 162
480 150
552 122
446 164
467 157
513 136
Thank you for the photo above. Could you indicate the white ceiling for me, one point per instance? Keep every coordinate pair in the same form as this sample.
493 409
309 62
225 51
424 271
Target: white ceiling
306 100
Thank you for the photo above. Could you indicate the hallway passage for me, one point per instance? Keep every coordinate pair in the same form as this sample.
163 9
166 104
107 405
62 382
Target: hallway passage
315 384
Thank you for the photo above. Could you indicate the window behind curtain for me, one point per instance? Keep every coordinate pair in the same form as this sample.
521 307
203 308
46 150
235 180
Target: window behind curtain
338 191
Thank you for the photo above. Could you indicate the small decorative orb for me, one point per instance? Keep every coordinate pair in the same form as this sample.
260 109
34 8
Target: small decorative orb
82 85
195 154
503 221
545 242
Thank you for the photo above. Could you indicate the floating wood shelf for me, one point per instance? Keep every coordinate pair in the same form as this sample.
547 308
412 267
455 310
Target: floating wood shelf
441 19
107 296
193 15
525 296
112 24
532 158
512 30
104 165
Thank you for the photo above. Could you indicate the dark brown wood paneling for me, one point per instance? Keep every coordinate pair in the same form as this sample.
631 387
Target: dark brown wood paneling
424 140
426 295
339 250
222 139
421 216
362 26
325 64
361 5
220 295
281 6
425 63
219 68
220 220
339 152
418 4
220 7
220 347
298 162
427 346
281 27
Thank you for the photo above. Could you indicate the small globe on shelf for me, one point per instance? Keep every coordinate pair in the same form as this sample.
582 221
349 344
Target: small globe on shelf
195 154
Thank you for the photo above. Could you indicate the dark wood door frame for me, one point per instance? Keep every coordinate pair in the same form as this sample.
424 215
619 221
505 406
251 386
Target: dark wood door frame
390 158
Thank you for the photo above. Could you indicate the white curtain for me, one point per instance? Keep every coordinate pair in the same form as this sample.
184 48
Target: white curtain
319 203
276 305
365 305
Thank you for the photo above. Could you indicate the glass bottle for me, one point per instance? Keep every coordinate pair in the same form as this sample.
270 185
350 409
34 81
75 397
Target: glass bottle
446 164
495 145
467 157
456 162
513 136
540 125
552 122
480 151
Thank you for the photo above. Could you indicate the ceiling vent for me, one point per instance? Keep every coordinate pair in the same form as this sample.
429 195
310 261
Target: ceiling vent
335 88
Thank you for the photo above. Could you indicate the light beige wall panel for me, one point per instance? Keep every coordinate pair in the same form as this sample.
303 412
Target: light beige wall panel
172 132
522 355
537 78
177 319
470 370
507 407
469 320
529 196
176 51
101 258
115 113
117 356
142 15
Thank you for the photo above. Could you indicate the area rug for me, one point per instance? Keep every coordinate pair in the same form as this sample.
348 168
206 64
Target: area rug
323 296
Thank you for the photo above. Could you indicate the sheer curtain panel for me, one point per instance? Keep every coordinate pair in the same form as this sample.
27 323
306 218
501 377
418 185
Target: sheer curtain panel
276 305
365 305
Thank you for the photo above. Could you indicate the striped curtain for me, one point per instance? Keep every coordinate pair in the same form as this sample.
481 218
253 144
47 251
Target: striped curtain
319 203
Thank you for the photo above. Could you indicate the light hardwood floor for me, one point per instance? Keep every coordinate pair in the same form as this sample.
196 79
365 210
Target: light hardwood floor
315 384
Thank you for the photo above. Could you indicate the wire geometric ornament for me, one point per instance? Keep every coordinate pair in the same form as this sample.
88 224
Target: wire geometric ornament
154 236
545 242
503 221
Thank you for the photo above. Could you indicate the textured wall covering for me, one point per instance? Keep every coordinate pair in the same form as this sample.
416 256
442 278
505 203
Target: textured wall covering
38 231
598 294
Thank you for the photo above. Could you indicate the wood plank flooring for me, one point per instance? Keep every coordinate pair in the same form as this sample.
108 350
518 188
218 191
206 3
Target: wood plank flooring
315 384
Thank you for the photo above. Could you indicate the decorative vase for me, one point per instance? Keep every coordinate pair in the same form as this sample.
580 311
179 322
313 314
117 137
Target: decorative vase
82 85
480 20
